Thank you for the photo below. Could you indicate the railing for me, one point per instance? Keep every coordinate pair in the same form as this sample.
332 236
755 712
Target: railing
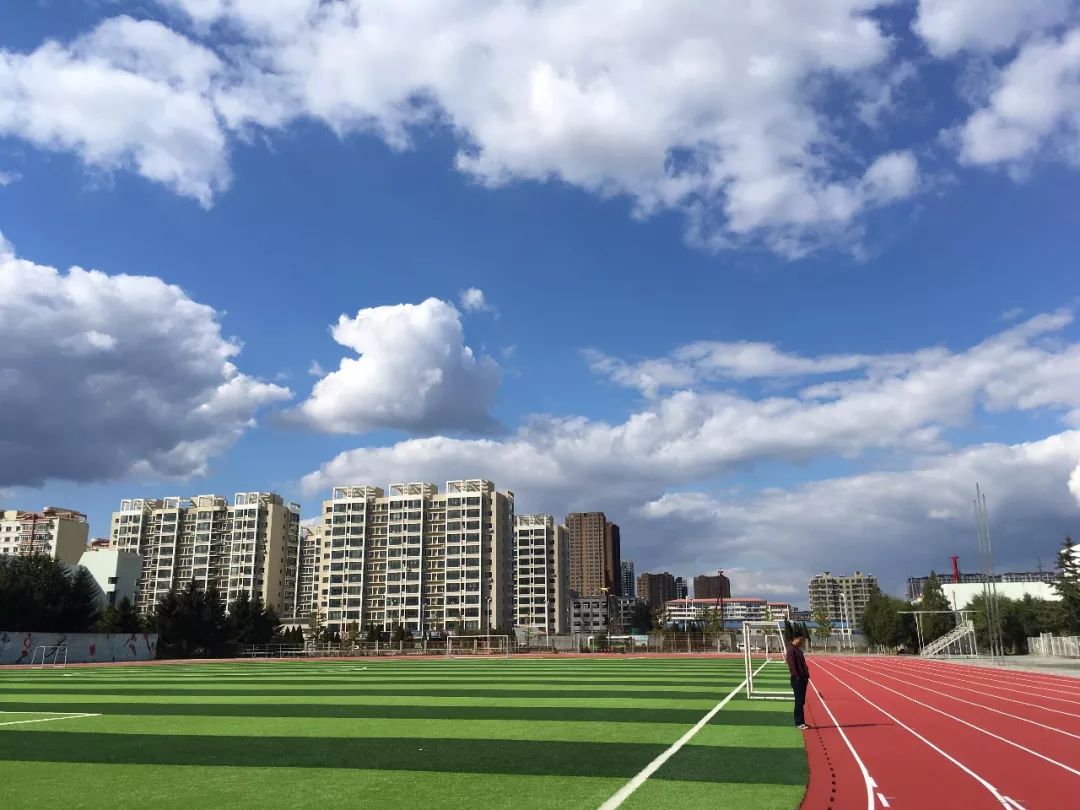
957 635
1050 645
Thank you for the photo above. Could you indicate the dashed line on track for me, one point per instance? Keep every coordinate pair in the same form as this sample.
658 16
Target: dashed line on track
1002 799
868 780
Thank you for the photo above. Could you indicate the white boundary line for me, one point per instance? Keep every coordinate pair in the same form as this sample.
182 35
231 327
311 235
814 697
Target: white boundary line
623 793
867 778
981 683
958 685
68 716
1004 800
1016 677
1005 740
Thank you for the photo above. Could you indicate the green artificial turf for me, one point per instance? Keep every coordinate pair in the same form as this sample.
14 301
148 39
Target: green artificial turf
461 733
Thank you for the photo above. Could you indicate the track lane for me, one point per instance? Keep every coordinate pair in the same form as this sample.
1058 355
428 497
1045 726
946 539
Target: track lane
1031 774
959 674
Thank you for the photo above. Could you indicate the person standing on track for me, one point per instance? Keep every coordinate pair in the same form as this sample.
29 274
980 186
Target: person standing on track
800 677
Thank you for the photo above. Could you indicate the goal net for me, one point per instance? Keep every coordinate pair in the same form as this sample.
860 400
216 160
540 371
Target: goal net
763 658
477 645
55 656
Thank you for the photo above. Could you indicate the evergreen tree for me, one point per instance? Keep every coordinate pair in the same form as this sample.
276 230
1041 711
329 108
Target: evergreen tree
80 606
265 621
1067 585
128 620
108 621
241 620
33 593
372 635
822 623
933 598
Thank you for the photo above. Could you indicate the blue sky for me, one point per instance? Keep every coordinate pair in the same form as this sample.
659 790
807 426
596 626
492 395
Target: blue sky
602 202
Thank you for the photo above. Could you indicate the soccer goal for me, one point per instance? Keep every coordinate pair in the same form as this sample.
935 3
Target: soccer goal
478 645
763 658
58 654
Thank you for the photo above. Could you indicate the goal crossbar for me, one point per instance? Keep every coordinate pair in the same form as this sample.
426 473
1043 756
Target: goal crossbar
59 653
766 637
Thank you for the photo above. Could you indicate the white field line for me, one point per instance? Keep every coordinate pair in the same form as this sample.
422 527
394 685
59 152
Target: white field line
991 683
884 674
1003 800
868 780
624 793
1035 680
67 716
980 691
1005 740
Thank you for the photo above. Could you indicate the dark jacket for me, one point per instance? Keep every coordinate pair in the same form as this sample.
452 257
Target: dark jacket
796 662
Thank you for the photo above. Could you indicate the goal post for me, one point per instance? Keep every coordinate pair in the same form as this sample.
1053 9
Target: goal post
57 652
478 645
763 657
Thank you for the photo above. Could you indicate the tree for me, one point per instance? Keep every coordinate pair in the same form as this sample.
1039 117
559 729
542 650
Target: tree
80 606
373 635
127 619
352 634
883 622
35 595
1067 585
241 620
191 622
822 623
640 620
713 625
316 629
933 598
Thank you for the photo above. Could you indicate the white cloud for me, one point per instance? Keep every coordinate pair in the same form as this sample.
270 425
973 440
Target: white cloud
473 300
949 26
316 369
101 376
414 373
128 95
709 107
889 523
1034 107
7 178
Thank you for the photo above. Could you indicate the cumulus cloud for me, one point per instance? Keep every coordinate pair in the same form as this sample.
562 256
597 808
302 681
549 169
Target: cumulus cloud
1034 107
414 373
102 376
902 403
715 109
7 178
131 94
473 300
949 26
890 522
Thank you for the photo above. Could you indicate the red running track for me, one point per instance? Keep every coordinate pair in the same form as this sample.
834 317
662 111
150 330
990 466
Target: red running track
896 732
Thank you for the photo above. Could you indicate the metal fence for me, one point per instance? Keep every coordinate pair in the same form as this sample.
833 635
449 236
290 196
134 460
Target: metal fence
1049 645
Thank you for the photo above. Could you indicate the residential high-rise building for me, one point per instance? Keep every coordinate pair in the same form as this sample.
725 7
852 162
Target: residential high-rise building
242 547
844 596
541 574
595 555
418 558
681 591
626 578
712 586
54 532
656 589
302 576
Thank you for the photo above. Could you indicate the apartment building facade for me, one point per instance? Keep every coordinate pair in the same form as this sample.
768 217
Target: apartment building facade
681 589
237 547
712 586
55 532
656 589
595 555
418 558
627 578
734 610
541 574
845 596
302 570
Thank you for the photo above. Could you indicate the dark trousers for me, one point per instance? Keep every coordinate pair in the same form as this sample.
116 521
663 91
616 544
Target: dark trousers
799 686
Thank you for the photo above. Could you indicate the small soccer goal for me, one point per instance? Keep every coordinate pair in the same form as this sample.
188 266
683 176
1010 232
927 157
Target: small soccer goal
478 645
55 656
763 656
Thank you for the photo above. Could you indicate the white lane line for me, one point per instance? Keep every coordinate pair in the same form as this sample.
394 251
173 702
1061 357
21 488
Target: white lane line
72 716
883 800
885 674
997 795
985 684
624 793
1014 677
867 779
943 713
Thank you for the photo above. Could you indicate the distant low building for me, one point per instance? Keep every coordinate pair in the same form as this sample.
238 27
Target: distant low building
915 585
960 594
115 572
55 532
735 610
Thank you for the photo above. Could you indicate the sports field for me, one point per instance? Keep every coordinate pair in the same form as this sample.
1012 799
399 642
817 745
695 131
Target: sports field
483 732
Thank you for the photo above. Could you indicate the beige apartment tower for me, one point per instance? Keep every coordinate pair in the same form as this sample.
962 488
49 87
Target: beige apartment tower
418 558
541 574
845 596
240 547
54 532
302 576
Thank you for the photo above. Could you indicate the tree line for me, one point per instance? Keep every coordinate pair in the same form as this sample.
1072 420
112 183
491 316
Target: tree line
42 595
887 621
